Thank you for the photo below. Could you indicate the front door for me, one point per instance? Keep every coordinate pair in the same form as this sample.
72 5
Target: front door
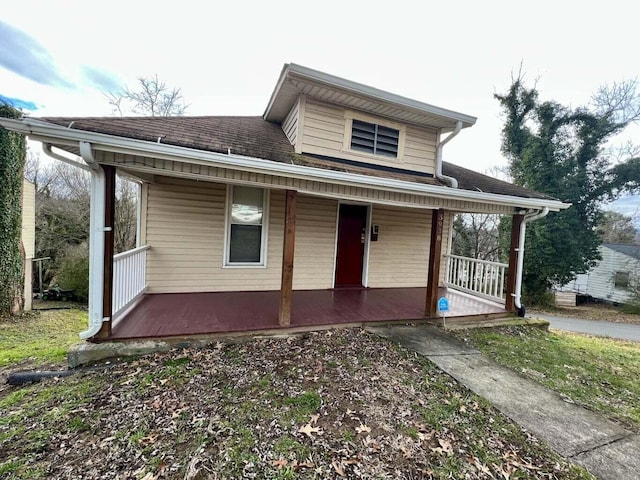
352 224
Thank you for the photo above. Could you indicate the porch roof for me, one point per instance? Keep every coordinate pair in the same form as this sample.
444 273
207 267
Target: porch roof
251 144
259 139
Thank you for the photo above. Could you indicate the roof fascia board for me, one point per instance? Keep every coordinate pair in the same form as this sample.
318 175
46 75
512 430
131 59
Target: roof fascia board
365 90
274 94
46 132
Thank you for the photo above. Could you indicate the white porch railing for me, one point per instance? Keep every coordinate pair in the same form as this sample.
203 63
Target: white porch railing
129 278
479 277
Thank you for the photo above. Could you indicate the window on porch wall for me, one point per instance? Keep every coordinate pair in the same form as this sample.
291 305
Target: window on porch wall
246 220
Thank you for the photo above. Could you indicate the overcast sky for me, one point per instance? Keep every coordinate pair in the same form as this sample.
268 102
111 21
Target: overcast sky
56 57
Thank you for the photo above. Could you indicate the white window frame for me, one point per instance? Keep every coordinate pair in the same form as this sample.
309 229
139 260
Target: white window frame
350 116
226 263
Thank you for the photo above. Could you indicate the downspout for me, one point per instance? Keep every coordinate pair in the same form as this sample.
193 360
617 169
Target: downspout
530 217
46 148
96 241
453 183
96 232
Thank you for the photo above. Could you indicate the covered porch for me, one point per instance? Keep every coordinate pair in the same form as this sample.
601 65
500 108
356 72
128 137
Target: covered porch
183 314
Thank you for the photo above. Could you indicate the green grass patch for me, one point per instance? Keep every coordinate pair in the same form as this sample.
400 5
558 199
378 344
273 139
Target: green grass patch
40 336
598 373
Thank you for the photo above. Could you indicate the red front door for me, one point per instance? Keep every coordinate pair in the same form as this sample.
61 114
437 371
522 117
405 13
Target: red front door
352 225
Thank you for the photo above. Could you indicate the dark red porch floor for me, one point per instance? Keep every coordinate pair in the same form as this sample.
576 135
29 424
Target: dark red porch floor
177 314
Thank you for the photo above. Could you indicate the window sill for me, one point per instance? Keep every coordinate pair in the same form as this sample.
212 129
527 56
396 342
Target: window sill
244 265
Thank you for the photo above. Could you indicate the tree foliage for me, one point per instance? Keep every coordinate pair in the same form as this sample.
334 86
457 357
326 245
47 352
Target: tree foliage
561 151
151 97
614 227
12 159
62 221
475 235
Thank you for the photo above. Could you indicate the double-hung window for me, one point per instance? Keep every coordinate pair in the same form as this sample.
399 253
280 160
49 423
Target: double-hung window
246 226
621 280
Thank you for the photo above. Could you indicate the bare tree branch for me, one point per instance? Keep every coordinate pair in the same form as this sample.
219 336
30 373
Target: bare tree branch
151 97
619 101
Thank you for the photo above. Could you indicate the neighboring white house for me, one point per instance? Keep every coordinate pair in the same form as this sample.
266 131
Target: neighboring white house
614 278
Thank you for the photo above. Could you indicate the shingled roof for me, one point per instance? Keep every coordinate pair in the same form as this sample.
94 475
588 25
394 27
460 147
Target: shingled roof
625 248
255 137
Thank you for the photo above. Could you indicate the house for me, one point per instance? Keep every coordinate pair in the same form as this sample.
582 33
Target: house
28 239
334 206
614 279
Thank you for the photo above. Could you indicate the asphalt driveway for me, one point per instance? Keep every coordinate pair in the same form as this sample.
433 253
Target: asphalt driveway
623 331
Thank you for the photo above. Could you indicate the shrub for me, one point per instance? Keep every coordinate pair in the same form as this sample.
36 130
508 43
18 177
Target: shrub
73 271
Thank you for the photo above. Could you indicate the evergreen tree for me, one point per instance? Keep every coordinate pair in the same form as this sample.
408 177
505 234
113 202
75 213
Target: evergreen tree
560 151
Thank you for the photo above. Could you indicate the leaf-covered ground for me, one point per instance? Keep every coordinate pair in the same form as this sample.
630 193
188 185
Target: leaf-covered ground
335 404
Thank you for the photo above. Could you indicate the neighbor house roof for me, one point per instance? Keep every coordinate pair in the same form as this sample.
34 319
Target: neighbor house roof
258 138
625 249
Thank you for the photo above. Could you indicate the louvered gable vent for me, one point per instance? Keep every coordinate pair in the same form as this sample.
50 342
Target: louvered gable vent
376 139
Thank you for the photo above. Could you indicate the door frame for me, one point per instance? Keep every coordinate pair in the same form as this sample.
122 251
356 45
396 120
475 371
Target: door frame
367 240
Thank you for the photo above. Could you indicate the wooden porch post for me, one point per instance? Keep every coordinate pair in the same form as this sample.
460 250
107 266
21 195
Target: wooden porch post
107 280
286 287
509 304
435 256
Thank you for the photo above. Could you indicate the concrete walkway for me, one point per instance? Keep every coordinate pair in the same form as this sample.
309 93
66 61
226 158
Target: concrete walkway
603 447
624 331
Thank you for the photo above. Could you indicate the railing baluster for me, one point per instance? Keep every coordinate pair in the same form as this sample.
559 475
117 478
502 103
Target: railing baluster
481 277
129 277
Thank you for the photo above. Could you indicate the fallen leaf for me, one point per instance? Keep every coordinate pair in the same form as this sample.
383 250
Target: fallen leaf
363 428
445 447
314 419
308 430
307 464
338 468
281 463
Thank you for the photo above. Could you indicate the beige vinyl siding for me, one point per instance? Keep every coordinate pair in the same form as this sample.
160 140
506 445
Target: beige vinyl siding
28 219
315 243
323 133
28 238
400 256
186 228
420 149
290 124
